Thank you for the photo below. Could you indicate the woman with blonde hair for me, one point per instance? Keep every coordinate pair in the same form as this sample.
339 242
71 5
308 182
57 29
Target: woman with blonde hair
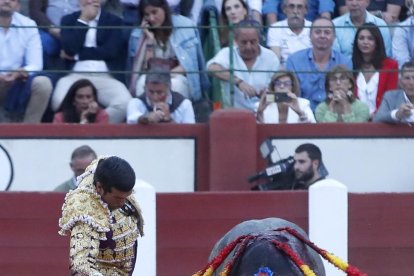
280 102
341 104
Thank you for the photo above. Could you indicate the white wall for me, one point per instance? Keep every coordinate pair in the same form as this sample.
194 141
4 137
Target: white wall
146 261
363 164
42 164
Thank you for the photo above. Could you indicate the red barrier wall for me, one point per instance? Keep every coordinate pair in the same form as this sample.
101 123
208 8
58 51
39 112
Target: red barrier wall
188 225
232 150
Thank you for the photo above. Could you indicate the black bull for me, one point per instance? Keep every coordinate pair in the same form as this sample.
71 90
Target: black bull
263 254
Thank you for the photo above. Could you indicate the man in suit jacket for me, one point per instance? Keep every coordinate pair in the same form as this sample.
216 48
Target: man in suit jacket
93 53
397 105
81 158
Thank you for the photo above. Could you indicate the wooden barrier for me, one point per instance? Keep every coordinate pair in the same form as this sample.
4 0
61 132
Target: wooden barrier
226 149
188 225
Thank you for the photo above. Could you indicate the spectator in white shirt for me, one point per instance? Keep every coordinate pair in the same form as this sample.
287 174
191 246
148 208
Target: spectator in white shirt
159 104
253 67
292 34
22 91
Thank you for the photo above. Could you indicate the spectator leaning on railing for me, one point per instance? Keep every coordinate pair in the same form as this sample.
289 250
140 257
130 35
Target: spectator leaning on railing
253 67
22 92
80 105
159 104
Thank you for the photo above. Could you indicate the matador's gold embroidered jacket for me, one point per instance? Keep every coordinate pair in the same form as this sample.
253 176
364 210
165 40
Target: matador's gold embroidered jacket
102 242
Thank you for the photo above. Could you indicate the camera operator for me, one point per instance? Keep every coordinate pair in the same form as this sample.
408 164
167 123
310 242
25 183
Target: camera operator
308 167
296 172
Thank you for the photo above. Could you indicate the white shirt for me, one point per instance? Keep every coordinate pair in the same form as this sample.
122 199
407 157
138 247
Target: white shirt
90 41
406 119
184 114
280 35
266 61
271 113
20 47
367 92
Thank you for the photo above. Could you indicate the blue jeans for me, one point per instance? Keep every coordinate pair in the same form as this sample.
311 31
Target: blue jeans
50 44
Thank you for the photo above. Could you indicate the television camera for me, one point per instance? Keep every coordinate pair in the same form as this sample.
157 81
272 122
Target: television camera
278 174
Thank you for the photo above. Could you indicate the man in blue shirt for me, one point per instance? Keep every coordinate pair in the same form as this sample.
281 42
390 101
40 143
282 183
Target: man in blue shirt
347 24
389 10
273 10
311 64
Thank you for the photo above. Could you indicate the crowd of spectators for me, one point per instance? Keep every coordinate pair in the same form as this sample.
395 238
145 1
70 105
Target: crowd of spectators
287 61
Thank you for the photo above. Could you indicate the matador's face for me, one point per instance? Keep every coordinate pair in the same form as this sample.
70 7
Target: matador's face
115 198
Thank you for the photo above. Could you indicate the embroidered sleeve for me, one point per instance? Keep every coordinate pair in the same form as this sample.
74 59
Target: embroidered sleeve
84 249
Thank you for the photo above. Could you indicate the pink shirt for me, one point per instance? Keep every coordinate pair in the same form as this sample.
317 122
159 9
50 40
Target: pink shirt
101 118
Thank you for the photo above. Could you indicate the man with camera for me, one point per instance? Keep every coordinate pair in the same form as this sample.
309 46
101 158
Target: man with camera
299 172
308 167
158 104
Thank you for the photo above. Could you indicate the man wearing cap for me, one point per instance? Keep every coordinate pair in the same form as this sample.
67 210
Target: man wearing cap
158 104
